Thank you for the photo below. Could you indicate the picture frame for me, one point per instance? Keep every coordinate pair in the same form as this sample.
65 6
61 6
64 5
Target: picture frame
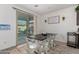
4 26
54 20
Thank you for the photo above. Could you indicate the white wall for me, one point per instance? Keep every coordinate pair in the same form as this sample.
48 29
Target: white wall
68 25
40 25
8 16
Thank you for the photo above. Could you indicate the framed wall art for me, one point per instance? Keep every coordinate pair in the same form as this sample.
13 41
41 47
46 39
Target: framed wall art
53 20
4 26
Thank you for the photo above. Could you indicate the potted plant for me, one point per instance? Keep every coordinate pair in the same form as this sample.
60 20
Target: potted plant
77 14
77 9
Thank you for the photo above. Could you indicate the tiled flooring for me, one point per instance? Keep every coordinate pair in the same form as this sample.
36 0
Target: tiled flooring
60 48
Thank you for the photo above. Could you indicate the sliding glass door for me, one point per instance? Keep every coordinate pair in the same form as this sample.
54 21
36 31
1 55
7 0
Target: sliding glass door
24 27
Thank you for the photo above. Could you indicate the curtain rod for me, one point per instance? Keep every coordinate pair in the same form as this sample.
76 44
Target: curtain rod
22 10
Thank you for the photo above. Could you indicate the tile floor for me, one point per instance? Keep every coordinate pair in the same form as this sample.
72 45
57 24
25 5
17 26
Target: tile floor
60 48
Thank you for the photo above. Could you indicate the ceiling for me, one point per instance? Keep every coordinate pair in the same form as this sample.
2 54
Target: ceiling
44 8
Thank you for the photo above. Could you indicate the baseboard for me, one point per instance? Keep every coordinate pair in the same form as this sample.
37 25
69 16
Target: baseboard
13 47
8 48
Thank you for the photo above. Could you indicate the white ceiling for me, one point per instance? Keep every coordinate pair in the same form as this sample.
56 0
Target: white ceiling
45 8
